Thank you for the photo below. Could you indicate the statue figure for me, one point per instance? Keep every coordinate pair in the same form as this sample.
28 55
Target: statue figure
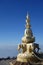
30 49
23 47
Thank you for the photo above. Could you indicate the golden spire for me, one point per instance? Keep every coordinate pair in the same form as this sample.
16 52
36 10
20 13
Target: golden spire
27 15
28 21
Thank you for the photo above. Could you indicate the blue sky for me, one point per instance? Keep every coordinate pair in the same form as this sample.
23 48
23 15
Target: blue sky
12 20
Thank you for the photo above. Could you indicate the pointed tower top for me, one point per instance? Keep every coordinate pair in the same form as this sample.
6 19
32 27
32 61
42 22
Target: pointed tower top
27 16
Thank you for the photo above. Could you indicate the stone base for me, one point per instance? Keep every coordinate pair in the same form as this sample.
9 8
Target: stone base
25 63
28 54
26 57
